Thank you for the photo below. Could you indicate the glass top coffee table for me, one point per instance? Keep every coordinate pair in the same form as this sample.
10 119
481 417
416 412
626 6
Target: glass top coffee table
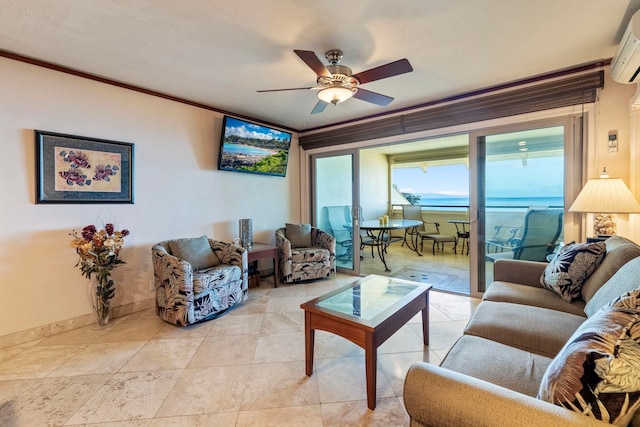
366 312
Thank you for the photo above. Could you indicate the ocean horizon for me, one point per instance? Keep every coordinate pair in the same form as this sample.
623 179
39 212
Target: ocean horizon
491 202
248 150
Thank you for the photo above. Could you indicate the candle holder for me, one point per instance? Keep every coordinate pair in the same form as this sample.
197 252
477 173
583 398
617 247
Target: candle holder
246 233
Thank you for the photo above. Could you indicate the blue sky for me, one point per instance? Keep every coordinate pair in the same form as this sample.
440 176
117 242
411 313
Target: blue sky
450 180
250 130
540 177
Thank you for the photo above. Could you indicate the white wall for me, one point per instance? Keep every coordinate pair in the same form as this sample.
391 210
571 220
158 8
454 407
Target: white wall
374 181
612 114
178 190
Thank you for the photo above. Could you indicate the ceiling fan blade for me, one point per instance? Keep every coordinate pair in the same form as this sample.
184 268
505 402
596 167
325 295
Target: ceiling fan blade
293 88
382 72
373 97
310 58
319 108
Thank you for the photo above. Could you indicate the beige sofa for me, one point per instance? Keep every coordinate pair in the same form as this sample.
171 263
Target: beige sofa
492 375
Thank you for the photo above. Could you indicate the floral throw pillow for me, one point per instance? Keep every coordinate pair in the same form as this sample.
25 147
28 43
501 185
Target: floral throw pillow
597 372
573 265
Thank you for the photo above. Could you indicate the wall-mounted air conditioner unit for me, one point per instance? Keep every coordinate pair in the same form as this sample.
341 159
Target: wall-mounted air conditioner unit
625 66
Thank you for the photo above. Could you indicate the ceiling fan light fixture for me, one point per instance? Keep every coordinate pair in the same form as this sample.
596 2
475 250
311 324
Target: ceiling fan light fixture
335 94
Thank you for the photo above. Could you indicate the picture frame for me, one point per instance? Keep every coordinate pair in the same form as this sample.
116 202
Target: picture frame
78 169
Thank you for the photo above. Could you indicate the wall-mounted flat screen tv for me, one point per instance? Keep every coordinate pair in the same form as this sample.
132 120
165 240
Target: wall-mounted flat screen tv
253 148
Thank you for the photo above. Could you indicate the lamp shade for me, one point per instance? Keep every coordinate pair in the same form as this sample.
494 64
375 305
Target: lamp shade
605 195
335 94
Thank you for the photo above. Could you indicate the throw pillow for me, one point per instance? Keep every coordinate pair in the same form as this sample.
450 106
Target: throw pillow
299 235
597 372
575 262
624 280
196 251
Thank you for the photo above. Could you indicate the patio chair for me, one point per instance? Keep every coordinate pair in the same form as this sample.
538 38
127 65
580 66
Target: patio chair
505 237
542 228
339 218
366 237
426 231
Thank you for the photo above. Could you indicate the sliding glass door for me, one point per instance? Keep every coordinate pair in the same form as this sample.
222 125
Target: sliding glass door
520 190
333 196
530 168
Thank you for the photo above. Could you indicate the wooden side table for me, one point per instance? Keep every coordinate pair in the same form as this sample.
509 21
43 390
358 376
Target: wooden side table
264 251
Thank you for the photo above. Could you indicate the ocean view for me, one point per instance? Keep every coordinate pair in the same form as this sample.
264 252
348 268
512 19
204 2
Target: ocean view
248 150
498 202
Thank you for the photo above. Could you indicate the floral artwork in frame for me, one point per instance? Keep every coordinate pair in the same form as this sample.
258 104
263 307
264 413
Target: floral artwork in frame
77 169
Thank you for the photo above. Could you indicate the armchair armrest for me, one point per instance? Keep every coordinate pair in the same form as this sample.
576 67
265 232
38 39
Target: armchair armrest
321 238
283 243
518 271
228 253
284 253
434 396
168 268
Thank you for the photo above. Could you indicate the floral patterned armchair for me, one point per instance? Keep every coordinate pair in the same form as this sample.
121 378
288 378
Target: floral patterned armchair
198 279
299 262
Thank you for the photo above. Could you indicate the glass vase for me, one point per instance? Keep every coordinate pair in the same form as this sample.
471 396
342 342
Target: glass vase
100 300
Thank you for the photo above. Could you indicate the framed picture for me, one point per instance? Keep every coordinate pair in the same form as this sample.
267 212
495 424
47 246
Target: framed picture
77 169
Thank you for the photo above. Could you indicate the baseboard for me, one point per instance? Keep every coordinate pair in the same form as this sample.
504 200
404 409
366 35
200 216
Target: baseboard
39 332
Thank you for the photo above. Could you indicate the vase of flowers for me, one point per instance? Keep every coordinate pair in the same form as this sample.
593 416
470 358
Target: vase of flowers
98 252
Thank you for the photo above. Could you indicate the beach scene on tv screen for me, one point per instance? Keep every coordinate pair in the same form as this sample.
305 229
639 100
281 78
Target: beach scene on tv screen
248 147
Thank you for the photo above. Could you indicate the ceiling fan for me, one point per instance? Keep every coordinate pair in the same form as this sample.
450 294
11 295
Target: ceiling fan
336 83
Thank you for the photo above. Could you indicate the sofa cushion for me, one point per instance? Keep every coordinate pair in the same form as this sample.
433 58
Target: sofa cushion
299 235
530 295
509 367
535 329
619 251
569 269
196 251
625 280
597 372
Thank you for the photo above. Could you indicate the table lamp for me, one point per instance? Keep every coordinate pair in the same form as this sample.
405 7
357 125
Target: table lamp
603 197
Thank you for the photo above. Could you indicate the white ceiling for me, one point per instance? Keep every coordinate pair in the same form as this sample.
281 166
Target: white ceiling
219 53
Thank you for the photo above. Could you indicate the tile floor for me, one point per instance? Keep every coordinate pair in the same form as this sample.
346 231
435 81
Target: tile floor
244 369
445 270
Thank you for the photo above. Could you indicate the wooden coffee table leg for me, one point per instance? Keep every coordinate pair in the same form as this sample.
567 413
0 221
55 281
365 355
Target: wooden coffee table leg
276 269
425 320
309 338
371 356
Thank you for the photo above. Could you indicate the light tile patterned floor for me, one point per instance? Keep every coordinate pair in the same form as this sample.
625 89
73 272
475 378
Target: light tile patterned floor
444 270
243 369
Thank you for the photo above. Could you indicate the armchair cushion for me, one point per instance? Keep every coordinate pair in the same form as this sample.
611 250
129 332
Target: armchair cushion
571 267
196 251
299 235
210 278
310 255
